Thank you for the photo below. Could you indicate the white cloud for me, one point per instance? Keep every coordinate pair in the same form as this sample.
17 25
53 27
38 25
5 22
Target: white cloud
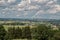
52 11
31 7
55 0
40 1
39 13
36 7
11 1
57 7
17 15
50 4
22 4
2 2
3 12
6 2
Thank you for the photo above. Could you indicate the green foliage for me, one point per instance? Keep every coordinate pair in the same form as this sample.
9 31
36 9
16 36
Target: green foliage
57 36
15 33
18 33
2 33
26 32
34 33
41 32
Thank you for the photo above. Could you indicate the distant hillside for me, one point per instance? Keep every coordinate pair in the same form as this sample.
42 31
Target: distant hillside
22 19
52 21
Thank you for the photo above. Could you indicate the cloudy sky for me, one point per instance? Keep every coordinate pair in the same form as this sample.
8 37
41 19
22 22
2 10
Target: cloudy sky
45 9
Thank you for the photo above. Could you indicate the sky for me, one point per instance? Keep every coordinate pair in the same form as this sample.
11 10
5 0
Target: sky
44 9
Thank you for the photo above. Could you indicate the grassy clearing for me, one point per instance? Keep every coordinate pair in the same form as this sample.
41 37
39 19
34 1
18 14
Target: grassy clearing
7 26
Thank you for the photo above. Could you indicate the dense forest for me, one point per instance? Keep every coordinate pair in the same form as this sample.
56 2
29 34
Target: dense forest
41 32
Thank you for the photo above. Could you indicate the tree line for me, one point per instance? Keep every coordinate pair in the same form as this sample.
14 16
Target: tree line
41 32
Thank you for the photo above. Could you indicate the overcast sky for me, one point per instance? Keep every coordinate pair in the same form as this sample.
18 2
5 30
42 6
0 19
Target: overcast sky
46 9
